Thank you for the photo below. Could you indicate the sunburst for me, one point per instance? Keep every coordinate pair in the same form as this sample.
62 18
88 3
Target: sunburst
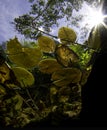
95 17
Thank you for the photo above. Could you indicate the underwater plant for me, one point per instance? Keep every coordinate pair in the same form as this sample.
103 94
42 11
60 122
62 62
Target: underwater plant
43 79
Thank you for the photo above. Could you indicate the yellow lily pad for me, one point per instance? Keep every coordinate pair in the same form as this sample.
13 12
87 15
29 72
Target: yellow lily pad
66 56
46 44
67 35
25 57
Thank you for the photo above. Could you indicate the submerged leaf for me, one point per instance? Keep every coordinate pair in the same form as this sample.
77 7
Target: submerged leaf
49 66
46 44
24 77
66 76
67 35
66 56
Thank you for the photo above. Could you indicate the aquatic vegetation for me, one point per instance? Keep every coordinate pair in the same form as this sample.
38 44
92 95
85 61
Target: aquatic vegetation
43 79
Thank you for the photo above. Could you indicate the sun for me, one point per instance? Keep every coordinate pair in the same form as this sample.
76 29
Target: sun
95 17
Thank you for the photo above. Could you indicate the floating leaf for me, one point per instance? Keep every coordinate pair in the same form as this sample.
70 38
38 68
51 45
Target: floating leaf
24 77
24 57
46 44
66 76
66 56
67 35
49 66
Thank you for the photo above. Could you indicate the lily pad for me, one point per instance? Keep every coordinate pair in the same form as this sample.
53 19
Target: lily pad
67 35
24 57
46 44
66 56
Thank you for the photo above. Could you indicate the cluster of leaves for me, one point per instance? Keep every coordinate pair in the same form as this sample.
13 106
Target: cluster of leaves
42 79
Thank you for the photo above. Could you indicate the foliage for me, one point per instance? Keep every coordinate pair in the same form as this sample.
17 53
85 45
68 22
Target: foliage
23 56
43 79
43 40
67 35
49 65
46 14
24 77
66 56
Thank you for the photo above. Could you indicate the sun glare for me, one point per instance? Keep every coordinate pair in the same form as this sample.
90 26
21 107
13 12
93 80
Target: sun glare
95 17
